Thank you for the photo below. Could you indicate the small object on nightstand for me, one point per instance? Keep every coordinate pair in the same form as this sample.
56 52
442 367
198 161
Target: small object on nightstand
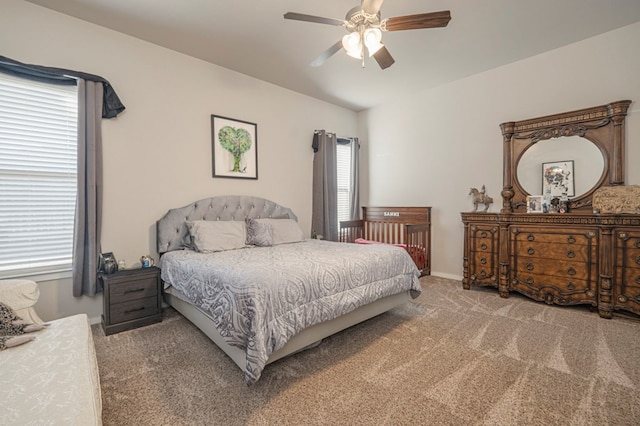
107 263
147 261
132 298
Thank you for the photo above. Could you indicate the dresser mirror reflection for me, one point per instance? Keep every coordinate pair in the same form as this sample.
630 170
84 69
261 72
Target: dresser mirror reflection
587 159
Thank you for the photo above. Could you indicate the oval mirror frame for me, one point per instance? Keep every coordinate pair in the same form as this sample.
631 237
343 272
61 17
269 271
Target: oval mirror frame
602 125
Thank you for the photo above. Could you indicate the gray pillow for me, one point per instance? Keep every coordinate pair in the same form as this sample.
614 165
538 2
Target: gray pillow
259 234
284 230
211 236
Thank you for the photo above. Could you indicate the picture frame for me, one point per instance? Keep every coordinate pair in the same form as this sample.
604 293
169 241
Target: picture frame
534 203
107 263
558 178
234 148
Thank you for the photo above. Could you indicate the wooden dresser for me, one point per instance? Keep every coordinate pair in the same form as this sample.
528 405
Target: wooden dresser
584 256
564 259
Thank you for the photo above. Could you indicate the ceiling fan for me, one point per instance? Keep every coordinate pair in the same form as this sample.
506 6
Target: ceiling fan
365 27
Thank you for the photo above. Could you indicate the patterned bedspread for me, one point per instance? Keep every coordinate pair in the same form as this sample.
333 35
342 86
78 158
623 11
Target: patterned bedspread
260 297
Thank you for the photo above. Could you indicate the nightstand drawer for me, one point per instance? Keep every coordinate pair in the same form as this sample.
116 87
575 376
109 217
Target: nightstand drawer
134 309
133 290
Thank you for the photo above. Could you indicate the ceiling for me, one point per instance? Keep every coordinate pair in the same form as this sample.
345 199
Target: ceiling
253 38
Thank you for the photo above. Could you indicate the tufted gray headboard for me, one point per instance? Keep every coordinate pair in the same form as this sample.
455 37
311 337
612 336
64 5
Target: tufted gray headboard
172 233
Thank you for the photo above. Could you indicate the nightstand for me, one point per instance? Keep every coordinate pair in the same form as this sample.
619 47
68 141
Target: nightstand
132 298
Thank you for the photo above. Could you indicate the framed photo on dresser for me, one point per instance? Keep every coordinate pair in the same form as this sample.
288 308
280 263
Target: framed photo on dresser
534 203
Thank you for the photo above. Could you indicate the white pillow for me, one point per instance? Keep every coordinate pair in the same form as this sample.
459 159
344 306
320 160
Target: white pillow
284 230
217 235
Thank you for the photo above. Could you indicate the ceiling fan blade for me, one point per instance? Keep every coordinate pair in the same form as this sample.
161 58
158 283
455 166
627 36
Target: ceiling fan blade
383 58
416 22
327 54
372 7
311 18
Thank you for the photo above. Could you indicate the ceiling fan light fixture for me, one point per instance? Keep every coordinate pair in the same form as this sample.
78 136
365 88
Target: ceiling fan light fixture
364 27
353 45
372 39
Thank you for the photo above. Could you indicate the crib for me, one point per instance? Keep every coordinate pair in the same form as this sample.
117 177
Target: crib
408 227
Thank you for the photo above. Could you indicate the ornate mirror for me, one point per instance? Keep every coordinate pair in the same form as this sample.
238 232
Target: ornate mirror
590 142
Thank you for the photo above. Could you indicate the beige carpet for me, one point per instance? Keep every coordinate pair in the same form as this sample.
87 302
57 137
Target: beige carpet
451 357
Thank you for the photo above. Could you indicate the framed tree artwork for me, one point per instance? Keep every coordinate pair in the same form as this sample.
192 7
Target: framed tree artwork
234 146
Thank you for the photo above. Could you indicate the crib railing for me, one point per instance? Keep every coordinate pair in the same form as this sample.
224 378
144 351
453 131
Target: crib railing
409 226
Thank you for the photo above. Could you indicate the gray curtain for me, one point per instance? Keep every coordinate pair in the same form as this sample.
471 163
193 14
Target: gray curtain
86 235
111 105
354 202
324 215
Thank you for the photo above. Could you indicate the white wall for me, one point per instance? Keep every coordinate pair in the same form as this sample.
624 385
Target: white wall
157 154
431 147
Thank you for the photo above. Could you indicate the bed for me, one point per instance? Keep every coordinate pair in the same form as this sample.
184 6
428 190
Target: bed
407 227
261 302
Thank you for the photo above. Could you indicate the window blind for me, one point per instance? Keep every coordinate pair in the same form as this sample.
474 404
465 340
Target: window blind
38 169
343 162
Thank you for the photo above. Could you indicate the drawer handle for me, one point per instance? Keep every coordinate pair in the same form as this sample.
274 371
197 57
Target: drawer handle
571 286
638 279
483 246
135 290
483 234
571 254
483 261
529 266
530 237
638 260
529 280
531 251
571 271
637 243
134 310
571 239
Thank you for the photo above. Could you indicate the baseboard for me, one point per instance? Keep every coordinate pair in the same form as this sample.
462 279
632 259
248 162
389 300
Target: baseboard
449 276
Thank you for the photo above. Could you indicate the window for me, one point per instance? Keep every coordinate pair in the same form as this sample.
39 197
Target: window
343 159
38 169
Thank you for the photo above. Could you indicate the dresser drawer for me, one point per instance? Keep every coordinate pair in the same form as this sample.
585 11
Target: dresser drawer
483 265
555 267
567 252
627 252
566 236
629 278
626 292
132 290
483 254
134 309
562 285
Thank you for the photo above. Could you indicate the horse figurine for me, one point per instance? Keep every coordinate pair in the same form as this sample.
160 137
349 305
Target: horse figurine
479 197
